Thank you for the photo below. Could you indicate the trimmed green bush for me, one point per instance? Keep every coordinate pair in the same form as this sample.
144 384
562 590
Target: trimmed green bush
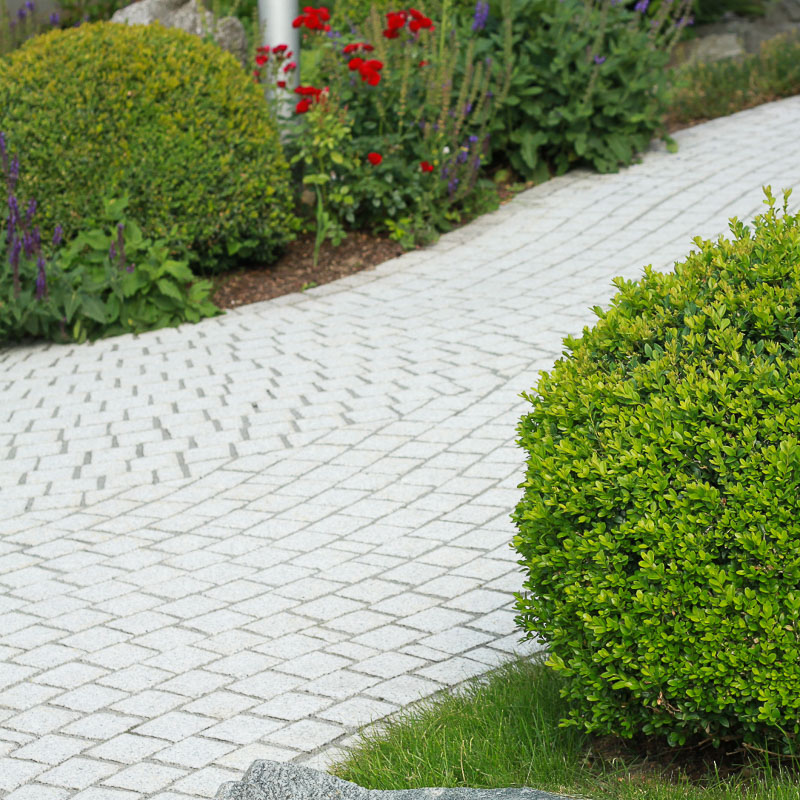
160 115
659 522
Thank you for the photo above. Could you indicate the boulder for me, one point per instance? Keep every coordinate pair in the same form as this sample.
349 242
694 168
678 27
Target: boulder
271 780
192 17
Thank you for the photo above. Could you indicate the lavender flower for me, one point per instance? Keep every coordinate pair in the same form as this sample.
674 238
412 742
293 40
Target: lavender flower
29 5
13 173
452 186
130 268
473 139
30 212
112 252
463 155
58 235
599 59
41 278
468 109
13 260
481 15
55 18
22 13
641 6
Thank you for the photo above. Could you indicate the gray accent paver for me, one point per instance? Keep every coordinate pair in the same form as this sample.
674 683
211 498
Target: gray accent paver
308 497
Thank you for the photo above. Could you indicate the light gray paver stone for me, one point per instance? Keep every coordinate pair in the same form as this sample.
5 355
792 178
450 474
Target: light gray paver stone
270 780
261 530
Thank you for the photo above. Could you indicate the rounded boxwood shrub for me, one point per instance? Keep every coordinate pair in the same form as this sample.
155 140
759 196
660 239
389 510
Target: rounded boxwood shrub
160 115
660 521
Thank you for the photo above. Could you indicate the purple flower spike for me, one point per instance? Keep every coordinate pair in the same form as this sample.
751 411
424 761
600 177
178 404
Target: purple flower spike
473 139
130 268
55 18
13 173
641 6
30 212
22 13
112 252
13 207
41 279
481 15
599 59
58 235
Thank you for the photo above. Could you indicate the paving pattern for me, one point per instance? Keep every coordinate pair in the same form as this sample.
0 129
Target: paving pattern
248 537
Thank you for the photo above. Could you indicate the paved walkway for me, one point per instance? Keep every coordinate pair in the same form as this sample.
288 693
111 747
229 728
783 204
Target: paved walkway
248 537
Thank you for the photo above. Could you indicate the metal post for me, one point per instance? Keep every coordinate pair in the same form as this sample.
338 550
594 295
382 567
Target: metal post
275 19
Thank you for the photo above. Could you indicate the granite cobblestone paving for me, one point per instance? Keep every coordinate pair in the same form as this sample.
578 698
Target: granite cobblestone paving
249 537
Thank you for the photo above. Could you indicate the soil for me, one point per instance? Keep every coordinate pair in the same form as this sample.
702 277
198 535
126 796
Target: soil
295 271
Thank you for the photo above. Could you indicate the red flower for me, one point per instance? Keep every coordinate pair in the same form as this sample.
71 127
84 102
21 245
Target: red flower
391 33
369 70
425 166
256 74
279 48
302 106
396 19
261 60
355 63
374 158
290 66
281 84
357 47
308 91
264 49
422 64
313 19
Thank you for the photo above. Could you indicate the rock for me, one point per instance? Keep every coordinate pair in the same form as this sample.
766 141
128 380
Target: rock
271 780
190 17
711 48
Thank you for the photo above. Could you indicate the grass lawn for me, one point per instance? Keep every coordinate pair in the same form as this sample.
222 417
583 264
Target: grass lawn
503 731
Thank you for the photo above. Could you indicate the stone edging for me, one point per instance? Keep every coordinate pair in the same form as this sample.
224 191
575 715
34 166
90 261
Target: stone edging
272 780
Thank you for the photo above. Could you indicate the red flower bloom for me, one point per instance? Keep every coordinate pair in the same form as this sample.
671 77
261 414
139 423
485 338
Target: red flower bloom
302 106
422 64
313 19
290 66
264 49
308 91
281 84
279 48
391 33
374 158
396 19
369 70
357 47
425 166
261 60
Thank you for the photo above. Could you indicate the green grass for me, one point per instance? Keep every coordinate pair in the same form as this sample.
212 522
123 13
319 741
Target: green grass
503 731
706 91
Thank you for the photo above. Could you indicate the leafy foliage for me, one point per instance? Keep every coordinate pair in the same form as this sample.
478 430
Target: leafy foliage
658 525
588 85
107 281
174 122
424 118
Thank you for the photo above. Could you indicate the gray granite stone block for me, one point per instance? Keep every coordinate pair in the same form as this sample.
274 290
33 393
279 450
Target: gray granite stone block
272 780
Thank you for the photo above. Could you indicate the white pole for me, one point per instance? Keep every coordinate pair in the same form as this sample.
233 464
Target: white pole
275 18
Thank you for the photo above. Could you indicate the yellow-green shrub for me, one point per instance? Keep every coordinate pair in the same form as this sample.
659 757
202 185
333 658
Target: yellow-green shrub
659 524
157 114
